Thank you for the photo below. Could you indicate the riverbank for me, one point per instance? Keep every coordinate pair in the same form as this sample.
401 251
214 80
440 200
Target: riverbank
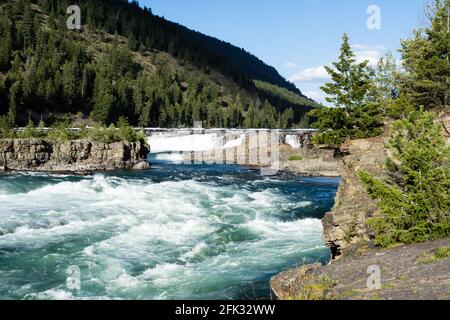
418 271
413 272
74 156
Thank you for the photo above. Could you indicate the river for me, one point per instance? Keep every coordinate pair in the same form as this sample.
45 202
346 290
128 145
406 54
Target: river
172 232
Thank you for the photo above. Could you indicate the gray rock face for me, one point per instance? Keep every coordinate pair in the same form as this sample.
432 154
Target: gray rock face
404 274
346 223
71 156
313 162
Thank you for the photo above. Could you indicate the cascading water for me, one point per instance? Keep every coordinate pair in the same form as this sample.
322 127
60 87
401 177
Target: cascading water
172 232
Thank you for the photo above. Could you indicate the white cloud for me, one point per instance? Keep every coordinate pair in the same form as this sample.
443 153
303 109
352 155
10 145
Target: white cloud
372 53
359 46
290 65
315 95
363 52
317 74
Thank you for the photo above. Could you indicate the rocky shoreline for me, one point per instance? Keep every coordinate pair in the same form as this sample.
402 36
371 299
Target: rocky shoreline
345 231
404 275
79 157
412 272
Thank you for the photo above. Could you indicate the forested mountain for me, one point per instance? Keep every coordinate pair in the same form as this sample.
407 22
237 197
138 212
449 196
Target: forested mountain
128 62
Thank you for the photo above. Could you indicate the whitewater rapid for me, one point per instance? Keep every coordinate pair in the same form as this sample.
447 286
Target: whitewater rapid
166 142
181 234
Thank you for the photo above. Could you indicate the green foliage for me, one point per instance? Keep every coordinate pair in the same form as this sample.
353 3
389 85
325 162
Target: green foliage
385 91
350 80
31 131
426 59
251 118
316 290
296 105
6 131
286 119
400 108
385 80
438 254
63 130
5 43
354 115
127 133
295 158
415 200
338 124
285 94
267 117
178 76
113 134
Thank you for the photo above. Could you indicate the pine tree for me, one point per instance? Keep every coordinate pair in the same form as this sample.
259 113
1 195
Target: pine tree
145 115
26 26
70 84
267 118
3 97
355 116
15 102
5 43
286 119
251 118
103 101
350 80
426 59
385 80
132 42
415 199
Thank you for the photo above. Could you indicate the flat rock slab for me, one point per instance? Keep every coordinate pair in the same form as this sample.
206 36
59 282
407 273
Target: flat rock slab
404 275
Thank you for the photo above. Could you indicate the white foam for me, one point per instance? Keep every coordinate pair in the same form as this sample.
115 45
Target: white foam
163 143
169 143
176 158
167 274
137 221
293 141
194 252
52 294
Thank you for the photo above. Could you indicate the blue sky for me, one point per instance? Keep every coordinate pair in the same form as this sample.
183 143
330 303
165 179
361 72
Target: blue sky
298 37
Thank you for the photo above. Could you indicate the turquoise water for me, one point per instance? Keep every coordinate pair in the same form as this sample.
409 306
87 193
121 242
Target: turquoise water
173 232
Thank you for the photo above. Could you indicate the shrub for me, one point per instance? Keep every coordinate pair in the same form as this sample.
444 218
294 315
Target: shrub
295 158
338 124
438 254
62 130
316 289
6 132
31 131
415 198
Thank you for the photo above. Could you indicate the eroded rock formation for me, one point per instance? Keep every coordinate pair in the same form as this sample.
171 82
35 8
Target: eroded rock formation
345 224
71 156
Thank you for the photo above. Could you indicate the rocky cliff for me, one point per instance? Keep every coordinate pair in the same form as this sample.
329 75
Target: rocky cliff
71 156
345 224
309 161
420 271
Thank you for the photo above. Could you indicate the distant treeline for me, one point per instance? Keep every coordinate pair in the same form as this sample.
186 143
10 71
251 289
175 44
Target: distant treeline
128 62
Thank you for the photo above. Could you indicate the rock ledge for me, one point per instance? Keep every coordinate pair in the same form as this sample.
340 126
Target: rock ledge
81 157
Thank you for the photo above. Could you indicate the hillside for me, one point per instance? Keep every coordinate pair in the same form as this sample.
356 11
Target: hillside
128 62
